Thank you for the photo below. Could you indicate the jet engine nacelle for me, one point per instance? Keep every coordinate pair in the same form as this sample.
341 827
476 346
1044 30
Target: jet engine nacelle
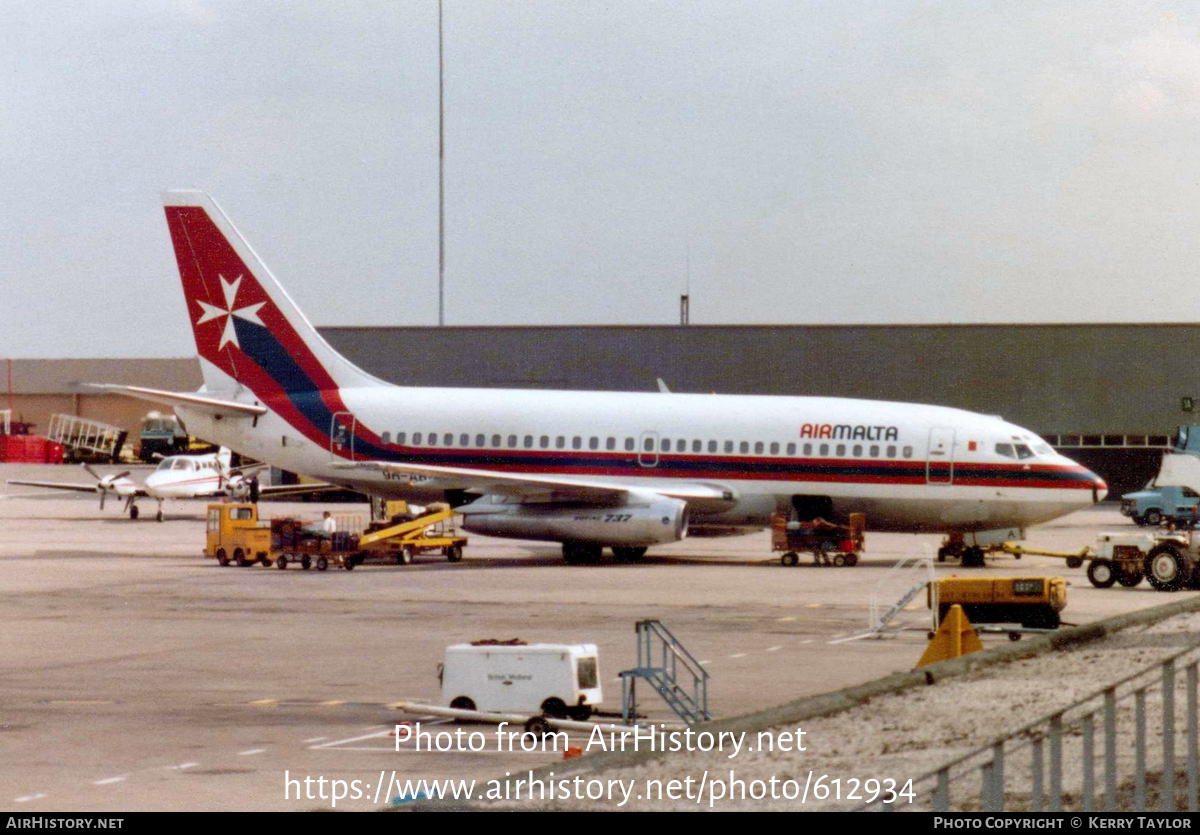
659 521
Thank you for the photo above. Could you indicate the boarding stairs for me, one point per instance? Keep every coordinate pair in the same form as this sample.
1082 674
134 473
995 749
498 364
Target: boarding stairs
672 671
909 577
83 438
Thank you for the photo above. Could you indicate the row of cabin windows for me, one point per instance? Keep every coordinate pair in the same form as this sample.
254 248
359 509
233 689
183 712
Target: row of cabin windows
664 445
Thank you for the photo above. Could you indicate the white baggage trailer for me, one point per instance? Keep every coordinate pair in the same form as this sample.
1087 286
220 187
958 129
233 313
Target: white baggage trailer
561 680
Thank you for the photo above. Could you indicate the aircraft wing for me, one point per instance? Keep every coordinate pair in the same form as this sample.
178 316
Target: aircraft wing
78 488
557 488
200 402
297 489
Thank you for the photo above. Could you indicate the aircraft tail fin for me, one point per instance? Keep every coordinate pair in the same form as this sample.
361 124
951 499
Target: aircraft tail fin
247 329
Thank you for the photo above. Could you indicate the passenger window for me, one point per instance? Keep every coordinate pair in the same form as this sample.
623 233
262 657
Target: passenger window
824 449
728 447
908 452
681 445
528 442
758 447
629 444
387 437
791 449
841 450
544 441
648 444
560 442
891 451
512 441
400 437
697 445
666 445
448 439
464 439
479 439
874 451
417 437
744 447
610 443
593 443
431 439
808 449
577 442
496 440
774 447
858 450
1006 450
712 446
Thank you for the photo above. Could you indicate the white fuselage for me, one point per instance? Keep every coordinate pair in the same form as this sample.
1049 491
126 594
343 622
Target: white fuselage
908 467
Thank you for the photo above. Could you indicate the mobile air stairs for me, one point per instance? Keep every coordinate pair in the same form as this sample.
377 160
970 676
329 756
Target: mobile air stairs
84 439
673 672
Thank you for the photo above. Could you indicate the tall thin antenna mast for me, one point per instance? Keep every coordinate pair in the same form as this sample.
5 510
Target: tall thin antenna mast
441 183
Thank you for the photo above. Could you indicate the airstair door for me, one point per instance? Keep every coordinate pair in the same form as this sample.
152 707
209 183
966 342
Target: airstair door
939 468
341 436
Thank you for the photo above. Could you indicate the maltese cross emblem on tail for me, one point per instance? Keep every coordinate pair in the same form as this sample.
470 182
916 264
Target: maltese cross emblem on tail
210 312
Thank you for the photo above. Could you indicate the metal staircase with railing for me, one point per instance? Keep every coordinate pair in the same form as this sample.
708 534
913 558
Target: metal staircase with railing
672 671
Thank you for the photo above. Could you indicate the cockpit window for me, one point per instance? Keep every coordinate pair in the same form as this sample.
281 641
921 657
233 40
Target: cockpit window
165 464
1043 449
1006 450
1023 451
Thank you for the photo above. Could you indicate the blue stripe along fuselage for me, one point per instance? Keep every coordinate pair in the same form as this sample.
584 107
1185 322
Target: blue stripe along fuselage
260 345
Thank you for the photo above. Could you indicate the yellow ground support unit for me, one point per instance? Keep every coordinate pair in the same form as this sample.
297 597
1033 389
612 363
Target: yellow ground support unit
404 540
1033 602
235 534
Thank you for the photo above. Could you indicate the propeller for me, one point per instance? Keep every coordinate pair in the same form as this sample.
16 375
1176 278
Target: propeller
105 484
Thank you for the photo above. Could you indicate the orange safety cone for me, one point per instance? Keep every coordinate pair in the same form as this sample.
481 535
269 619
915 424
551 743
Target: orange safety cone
955 638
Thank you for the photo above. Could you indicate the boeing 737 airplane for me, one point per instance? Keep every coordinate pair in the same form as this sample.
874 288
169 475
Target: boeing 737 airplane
586 469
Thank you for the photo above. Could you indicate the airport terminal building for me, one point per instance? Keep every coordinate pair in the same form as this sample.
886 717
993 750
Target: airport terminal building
1109 396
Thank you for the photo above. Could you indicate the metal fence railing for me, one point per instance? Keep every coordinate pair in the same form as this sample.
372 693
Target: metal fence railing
1130 746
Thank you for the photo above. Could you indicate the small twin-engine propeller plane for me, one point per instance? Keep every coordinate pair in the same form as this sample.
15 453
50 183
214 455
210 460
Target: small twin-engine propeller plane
586 469
178 477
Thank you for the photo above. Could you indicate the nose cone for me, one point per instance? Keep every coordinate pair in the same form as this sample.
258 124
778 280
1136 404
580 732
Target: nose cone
1099 488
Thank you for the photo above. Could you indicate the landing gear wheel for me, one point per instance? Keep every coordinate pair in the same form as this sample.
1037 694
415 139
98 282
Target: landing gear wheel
454 553
1152 518
405 557
322 563
1102 574
1165 568
222 557
306 562
581 713
973 557
790 558
133 512
281 563
158 516
581 553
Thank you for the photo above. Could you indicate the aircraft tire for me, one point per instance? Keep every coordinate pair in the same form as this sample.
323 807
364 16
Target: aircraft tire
133 512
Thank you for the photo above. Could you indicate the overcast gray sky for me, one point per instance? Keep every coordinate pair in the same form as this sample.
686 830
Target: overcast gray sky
801 162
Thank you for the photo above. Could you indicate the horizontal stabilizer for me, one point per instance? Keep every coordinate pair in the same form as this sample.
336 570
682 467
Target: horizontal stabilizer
214 406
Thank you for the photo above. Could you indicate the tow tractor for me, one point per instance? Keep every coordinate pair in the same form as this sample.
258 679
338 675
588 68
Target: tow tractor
1169 561
828 542
236 534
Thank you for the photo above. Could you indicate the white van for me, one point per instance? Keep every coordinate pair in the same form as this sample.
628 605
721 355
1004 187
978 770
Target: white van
561 680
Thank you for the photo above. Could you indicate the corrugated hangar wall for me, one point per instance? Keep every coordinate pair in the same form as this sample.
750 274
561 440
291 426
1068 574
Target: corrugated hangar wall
1054 379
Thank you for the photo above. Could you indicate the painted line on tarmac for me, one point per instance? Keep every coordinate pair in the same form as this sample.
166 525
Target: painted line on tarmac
26 798
738 655
182 766
107 781
337 742
774 649
251 752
